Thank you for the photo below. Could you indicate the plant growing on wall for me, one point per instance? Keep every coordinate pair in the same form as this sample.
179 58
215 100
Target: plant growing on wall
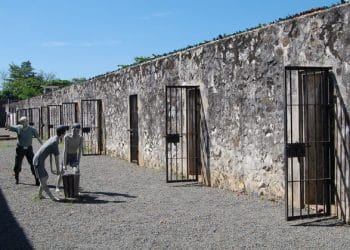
142 59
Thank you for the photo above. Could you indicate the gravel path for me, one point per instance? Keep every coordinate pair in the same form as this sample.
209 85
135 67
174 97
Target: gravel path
124 206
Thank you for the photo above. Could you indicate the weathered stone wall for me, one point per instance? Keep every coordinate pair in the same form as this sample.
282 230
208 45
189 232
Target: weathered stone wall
241 83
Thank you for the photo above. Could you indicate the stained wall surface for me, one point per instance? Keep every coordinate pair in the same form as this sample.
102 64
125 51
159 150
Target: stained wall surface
241 81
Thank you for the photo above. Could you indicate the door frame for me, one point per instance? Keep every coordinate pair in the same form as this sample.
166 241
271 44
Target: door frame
297 142
51 130
133 129
182 164
88 129
69 106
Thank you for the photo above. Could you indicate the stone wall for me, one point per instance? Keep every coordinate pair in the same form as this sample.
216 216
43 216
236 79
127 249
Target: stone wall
241 85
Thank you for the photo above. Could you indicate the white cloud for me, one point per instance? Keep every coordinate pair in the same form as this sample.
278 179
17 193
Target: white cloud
51 44
162 14
155 15
101 44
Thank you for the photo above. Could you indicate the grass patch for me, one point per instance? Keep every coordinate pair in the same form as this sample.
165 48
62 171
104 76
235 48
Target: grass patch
4 145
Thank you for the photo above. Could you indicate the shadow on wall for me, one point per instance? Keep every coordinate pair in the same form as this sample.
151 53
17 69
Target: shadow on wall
205 146
12 235
341 154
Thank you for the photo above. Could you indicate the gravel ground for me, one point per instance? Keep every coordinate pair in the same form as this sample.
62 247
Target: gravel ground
124 206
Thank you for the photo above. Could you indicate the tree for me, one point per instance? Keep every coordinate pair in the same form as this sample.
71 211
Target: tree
57 82
78 80
47 76
22 82
21 72
3 76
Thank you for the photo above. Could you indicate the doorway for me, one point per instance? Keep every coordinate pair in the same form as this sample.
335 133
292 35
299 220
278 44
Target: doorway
54 119
134 134
182 124
34 118
69 113
308 135
91 122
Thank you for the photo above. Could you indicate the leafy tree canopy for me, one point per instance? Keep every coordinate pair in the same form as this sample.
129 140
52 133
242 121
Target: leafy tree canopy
78 80
22 82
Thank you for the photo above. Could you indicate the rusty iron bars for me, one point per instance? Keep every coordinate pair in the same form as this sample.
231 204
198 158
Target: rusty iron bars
91 122
54 118
20 113
11 118
34 118
69 113
44 123
182 124
308 134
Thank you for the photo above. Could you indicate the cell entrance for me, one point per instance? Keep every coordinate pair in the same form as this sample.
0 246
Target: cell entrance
22 112
308 142
69 113
134 134
54 119
44 123
182 133
34 118
11 118
91 119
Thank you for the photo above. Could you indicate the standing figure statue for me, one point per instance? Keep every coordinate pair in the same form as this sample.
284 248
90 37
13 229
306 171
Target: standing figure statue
50 147
25 134
73 145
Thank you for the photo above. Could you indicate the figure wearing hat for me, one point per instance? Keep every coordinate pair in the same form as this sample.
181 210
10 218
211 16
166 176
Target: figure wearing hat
25 134
73 144
50 147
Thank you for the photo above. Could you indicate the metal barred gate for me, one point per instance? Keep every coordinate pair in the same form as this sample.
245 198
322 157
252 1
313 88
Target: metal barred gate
69 113
34 118
53 119
91 122
134 134
182 123
11 118
20 113
44 123
309 165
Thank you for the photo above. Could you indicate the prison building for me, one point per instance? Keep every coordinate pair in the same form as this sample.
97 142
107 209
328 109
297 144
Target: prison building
263 111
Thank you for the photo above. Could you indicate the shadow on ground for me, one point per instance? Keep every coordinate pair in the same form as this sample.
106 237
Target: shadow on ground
323 222
97 198
110 194
12 235
190 184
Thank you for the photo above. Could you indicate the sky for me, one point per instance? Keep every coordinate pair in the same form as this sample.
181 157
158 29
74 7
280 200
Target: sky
86 38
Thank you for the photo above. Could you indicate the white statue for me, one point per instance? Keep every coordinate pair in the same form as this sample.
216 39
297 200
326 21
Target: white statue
73 145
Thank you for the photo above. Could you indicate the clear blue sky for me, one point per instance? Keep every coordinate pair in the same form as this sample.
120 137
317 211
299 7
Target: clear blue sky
85 38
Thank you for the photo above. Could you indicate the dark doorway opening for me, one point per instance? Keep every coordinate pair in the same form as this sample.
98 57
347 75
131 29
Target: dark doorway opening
309 158
91 122
182 133
134 134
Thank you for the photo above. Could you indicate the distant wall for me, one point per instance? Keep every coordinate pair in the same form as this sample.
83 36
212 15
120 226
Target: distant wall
241 83
2 113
